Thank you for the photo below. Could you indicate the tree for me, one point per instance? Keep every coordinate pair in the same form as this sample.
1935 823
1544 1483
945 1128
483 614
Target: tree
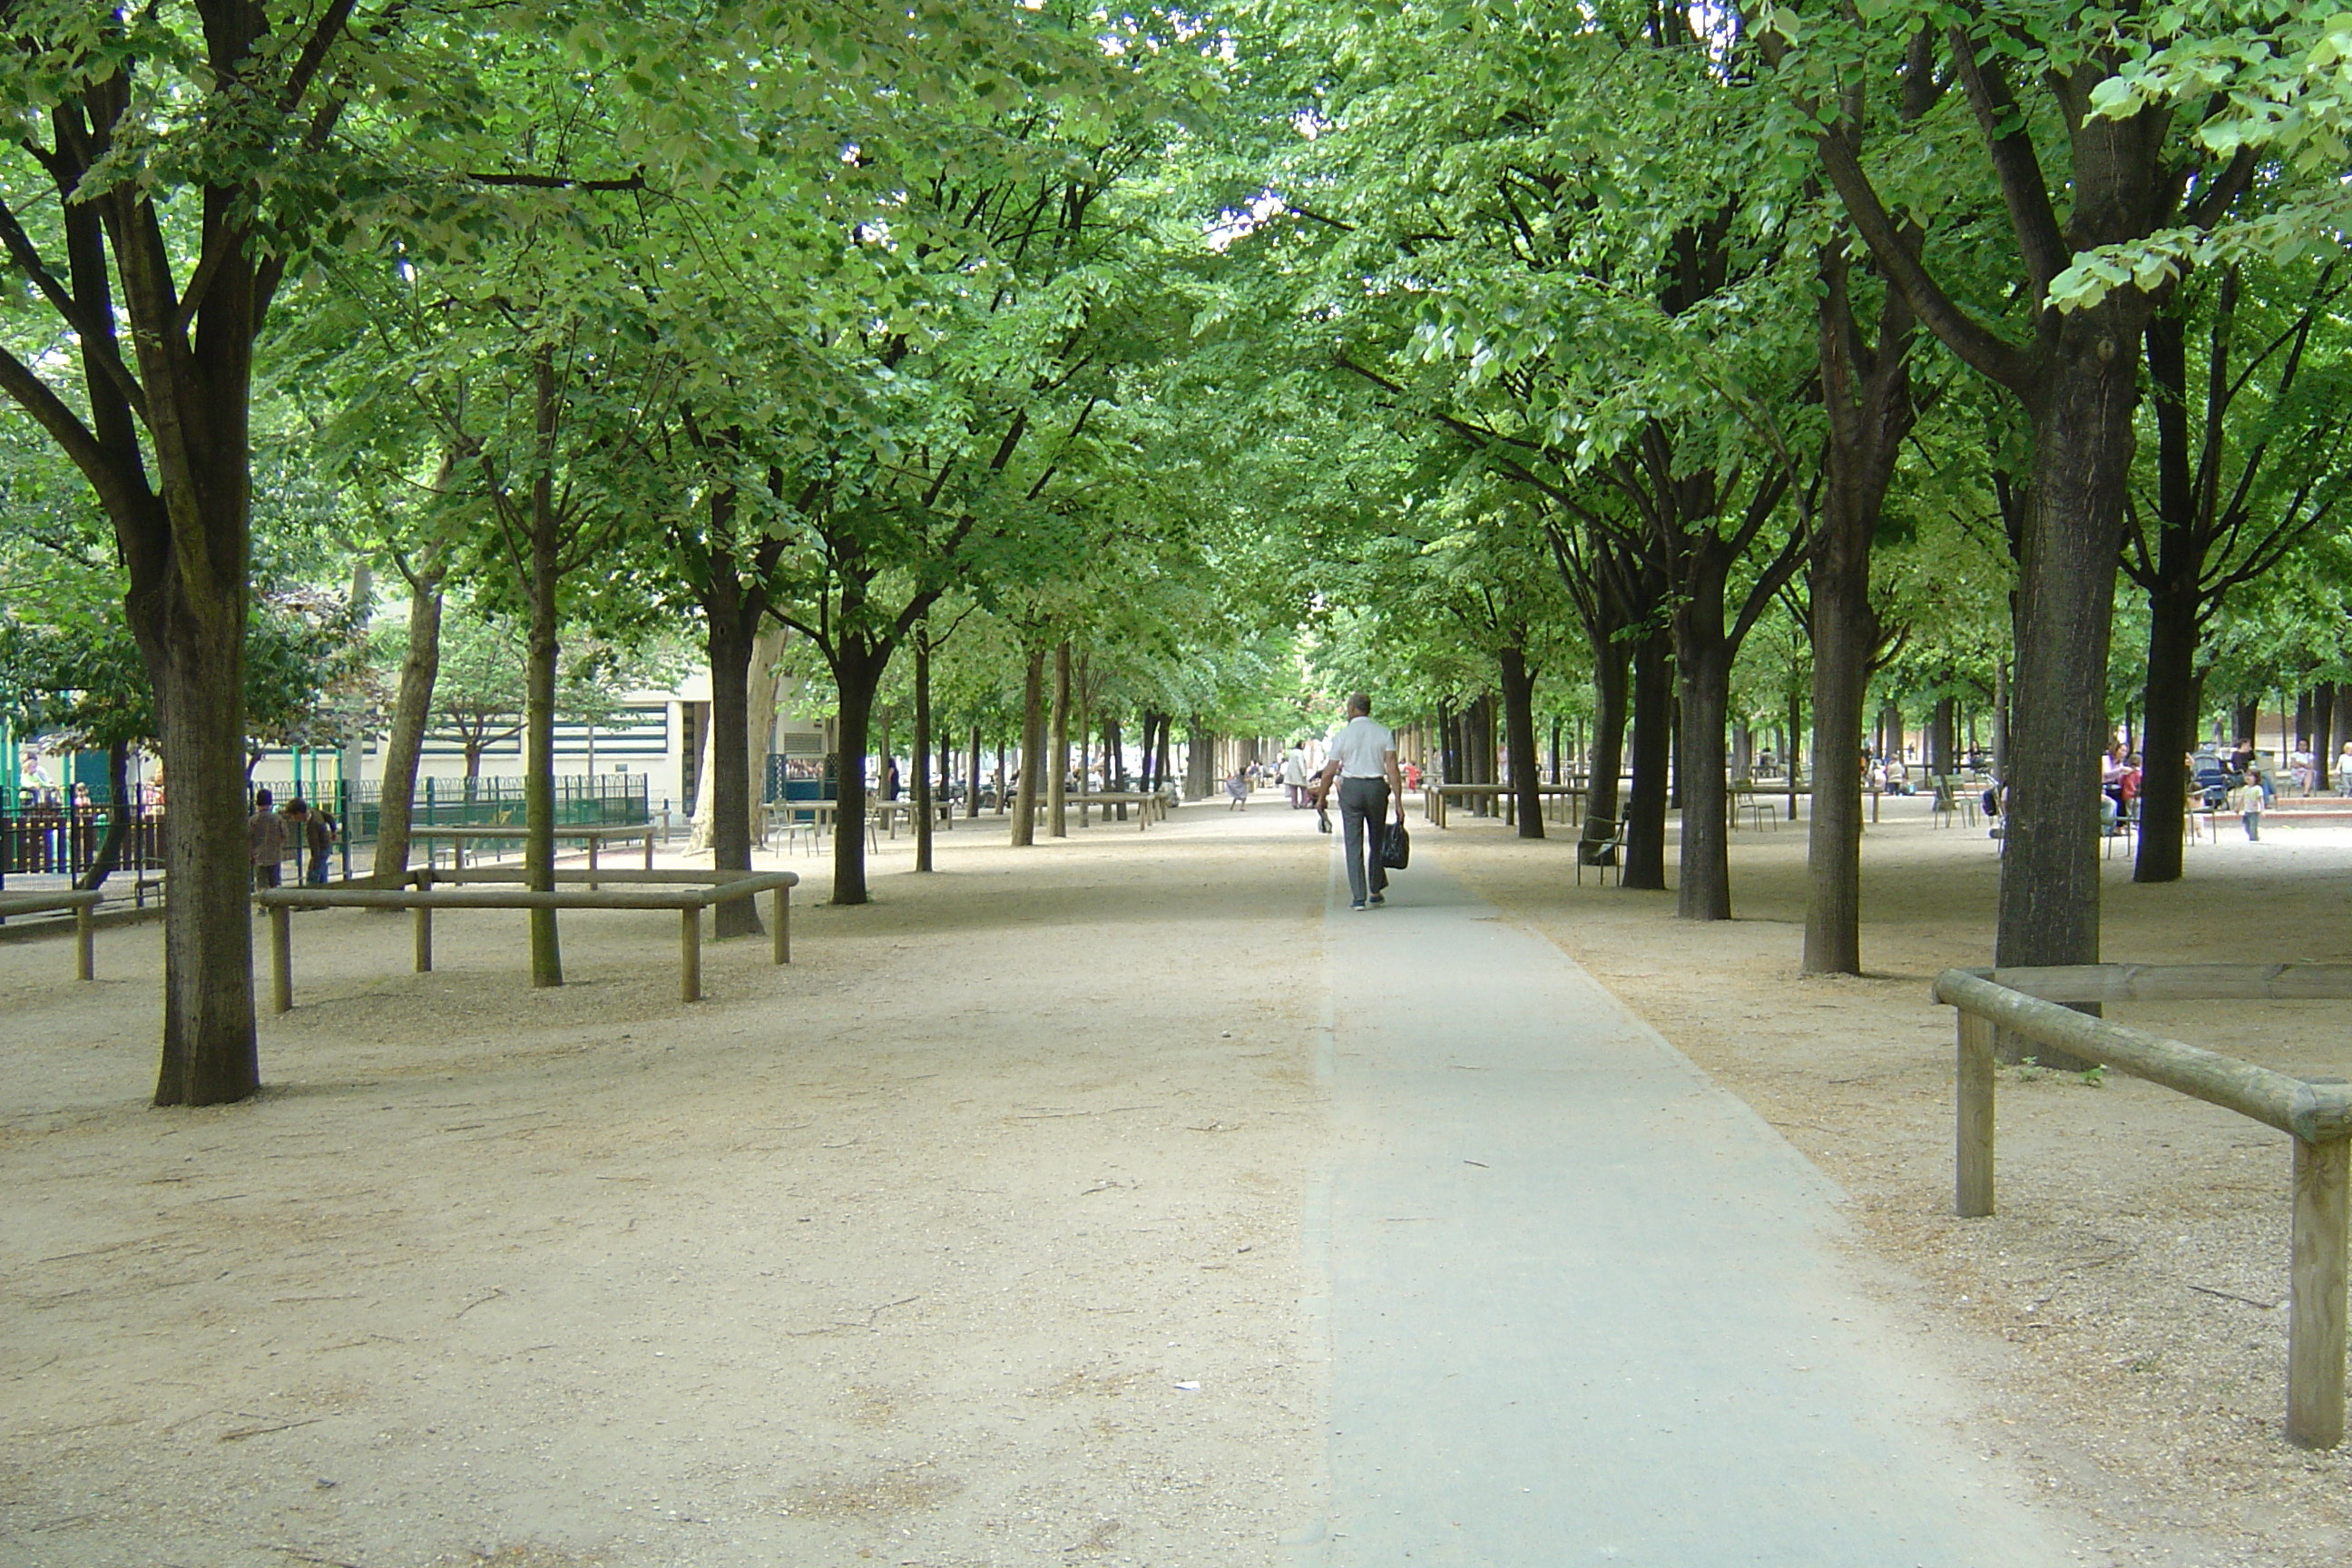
2232 496
2031 77
1866 393
233 103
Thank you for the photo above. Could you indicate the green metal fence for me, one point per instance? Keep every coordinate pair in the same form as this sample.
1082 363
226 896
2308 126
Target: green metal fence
580 800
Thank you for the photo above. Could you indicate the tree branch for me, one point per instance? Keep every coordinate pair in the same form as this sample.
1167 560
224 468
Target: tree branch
2040 242
49 411
1984 350
636 182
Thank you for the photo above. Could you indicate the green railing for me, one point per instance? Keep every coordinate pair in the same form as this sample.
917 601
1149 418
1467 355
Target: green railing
580 801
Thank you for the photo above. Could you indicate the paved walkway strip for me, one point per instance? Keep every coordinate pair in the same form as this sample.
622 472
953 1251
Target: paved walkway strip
1586 1307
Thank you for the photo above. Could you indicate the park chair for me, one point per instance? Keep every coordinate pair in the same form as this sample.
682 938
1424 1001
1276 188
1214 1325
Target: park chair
1944 809
2123 831
1589 850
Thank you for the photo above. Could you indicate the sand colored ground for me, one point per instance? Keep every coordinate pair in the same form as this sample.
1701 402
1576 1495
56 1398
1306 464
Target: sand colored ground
2124 1310
908 1252
969 1238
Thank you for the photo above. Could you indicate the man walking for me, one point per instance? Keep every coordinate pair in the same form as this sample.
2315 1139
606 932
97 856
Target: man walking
1364 761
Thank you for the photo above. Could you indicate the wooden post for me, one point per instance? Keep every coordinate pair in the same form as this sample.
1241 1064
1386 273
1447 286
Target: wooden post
2315 1338
281 959
649 848
782 922
421 920
594 838
689 954
85 942
1972 1187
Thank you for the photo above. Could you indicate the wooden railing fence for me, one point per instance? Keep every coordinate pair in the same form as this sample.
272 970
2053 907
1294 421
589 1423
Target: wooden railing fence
2317 1115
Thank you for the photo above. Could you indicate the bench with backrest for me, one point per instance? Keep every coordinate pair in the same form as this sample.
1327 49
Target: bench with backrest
689 892
84 905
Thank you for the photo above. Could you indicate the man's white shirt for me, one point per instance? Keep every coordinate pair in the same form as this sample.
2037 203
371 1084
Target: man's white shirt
1361 748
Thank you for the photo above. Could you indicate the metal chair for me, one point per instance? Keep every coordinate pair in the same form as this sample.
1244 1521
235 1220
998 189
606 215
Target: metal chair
1589 850
2123 829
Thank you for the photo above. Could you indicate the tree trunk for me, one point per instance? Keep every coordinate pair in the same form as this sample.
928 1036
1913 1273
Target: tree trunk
353 766
857 674
1032 747
1519 729
1845 635
700 811
1702 669
728 642
1794 761
539 748
119 811
971 784
2066 579
1161 763
1612 675
542 576
760 715
1645 811
195 652
2001 719
2323 736
2169 734
1057 792
1114 755
923 749
1200 759
1489 766
420 665
1940 737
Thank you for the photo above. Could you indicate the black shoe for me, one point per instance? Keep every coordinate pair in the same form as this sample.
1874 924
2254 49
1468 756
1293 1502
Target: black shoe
1357 905
1379 899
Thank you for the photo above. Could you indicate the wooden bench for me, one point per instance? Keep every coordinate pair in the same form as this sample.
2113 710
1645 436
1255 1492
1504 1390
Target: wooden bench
1435 796
688 892
1150 806
84 905
891 813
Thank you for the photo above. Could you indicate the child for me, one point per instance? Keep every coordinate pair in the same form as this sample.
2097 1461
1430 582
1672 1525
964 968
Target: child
1238 788
2252 797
